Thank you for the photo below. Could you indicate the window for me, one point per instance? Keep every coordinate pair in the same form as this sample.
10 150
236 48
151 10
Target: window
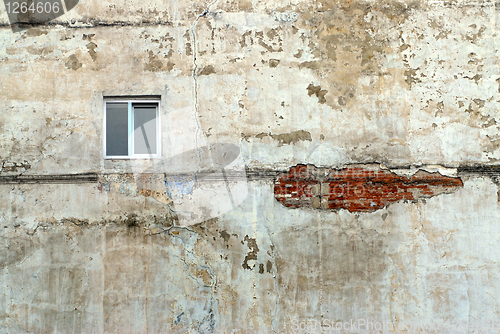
131 128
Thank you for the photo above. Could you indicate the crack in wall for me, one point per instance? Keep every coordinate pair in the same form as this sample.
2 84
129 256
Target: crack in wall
193 262
195 75
250 174
55 178
89 24
273 254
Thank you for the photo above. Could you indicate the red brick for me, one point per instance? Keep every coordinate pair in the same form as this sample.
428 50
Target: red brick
357 189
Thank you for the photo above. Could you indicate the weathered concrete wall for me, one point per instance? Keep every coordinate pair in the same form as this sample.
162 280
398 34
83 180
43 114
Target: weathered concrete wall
391 86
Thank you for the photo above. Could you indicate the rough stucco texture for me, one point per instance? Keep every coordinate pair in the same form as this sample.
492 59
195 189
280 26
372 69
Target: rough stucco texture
407 90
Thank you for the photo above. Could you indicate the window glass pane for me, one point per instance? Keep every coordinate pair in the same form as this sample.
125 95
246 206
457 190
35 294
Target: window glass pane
116 129
145 128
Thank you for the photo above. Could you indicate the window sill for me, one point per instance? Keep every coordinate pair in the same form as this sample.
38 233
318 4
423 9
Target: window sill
154 157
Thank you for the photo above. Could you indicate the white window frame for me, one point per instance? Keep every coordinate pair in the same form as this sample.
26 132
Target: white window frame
131 154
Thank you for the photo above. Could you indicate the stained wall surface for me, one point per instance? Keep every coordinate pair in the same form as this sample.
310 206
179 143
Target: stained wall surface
399 88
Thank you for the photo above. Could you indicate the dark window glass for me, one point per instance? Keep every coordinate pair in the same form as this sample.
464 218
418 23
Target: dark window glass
116 129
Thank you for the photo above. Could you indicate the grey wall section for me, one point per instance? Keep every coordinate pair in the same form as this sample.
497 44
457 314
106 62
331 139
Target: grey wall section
399 83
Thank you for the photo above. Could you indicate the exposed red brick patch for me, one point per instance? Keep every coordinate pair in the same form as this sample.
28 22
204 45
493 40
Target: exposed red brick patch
356 188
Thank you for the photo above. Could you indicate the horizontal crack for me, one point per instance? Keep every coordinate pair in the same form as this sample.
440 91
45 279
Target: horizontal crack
57 178
216 175
87 25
